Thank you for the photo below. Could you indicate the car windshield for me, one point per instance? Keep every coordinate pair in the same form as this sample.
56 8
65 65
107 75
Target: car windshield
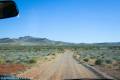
61 40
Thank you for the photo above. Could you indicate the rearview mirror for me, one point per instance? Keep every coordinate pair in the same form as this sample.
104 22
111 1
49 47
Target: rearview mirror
8 9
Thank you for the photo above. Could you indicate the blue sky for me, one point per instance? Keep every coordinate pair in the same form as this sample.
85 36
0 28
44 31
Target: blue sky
76 21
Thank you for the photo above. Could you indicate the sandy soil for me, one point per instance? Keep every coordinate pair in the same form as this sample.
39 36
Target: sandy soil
62 67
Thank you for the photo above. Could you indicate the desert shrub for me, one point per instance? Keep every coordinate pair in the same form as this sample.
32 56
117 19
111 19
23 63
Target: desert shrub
53 54
9 61
92 57
86 59
31 61
117 58
108 61
98 62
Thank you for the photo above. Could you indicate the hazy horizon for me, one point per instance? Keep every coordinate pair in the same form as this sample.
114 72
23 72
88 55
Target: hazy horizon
76 21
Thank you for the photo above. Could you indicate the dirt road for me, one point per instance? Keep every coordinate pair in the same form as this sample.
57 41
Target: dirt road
63 67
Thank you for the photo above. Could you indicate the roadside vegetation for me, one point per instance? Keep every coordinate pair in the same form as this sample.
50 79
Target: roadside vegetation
26 54
17 56
105 58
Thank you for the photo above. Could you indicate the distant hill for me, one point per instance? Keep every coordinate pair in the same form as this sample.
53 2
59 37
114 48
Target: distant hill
6 40
29 40
108 44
